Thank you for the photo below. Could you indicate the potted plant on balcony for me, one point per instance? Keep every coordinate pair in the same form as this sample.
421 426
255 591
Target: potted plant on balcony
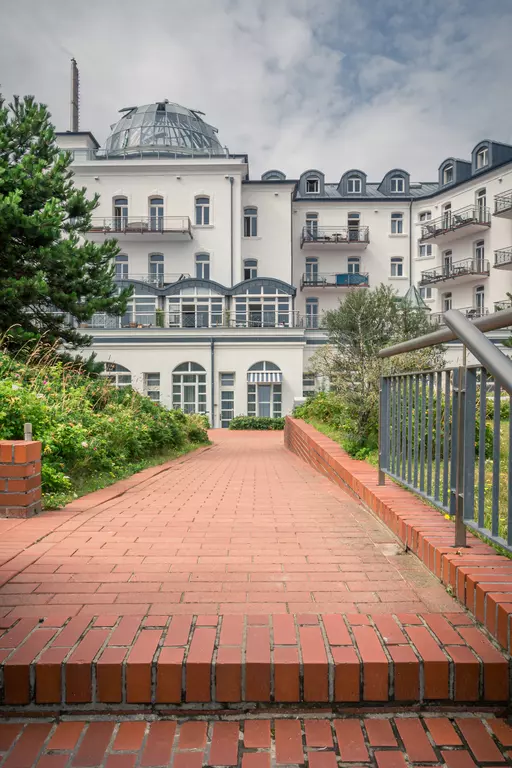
159 320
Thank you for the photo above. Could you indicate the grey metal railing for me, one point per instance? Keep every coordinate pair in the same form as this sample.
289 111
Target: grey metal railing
437 318
503 202
140 225
335 280
312 234
503 257
453 220
454 269
447 435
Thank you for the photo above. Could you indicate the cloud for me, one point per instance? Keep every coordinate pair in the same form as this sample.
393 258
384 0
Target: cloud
332 84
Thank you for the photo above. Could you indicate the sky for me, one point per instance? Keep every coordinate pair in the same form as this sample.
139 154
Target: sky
295 84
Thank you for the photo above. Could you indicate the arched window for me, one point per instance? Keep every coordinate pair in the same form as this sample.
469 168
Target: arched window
264 390
250 222
203 266
312 312
479 300
481 204
311 225
353 221
156 269
202 211
447 263
156 213
447 216
311 276
446 300
118 375
397 184
121 264
354 185
120 214
189 388
250 269
480 256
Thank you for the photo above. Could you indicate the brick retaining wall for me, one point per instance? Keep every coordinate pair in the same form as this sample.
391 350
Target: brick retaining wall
478 575
20 478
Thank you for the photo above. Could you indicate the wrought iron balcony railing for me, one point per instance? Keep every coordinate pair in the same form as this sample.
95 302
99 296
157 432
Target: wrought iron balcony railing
335 235
436 318
503 203
157 280
454 270
501 305
503 258
451 221
335 280
197 320
140 225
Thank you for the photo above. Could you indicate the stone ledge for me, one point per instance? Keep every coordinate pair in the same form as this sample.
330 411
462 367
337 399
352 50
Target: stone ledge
479 577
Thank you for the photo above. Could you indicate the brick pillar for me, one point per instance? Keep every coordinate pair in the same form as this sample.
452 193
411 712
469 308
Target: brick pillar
20 478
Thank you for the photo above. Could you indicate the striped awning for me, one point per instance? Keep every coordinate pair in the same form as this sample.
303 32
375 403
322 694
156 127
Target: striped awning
264 377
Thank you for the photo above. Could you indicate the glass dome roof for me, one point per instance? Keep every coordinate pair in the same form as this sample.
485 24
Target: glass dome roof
162 128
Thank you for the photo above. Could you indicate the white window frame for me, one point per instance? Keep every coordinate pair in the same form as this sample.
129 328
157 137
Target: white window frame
121 266
312 312
250 221
156 213
397 223
202 211
480 298
448 174
354 265
152 386
446 301
482 157
250 266
276 392
397 184
354 185
397 266
426 293
425 216
202 263
189 375
313 181
227 381
425 251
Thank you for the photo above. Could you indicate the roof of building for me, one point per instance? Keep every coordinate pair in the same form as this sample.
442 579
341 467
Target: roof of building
331 191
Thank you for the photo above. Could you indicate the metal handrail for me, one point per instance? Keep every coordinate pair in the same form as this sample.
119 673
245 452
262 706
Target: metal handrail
455 269
342 234
123 225
332 279
502 256
452 220
503 201
469 312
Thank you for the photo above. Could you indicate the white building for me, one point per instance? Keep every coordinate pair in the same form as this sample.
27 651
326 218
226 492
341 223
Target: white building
231 275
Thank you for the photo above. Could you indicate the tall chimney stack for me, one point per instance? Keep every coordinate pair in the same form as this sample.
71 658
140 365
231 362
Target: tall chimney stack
75 97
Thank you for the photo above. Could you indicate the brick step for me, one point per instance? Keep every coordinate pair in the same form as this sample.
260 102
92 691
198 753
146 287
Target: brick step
120 663
383 741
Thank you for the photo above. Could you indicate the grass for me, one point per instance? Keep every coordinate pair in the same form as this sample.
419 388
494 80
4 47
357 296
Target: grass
88 484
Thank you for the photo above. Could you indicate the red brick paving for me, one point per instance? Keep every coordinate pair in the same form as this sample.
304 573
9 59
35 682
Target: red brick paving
244 527
381 740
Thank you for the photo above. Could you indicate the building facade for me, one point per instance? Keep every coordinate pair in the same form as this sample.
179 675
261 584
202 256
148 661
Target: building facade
231 275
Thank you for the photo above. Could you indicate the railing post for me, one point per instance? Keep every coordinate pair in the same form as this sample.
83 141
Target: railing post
27 431
460 528
382 427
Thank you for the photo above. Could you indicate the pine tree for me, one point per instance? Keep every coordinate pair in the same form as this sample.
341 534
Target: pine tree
47 267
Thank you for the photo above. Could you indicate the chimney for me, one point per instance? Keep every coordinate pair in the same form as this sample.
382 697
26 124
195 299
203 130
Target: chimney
75 98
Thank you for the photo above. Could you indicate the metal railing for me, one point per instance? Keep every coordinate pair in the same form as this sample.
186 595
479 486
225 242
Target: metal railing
335 235
453 220
336 280
437 318
447 435
137 154
140 225
455 269
158 281
503 202
198 319
503 257
499 306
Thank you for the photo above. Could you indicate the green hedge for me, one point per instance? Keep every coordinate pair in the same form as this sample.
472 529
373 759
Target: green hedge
256 422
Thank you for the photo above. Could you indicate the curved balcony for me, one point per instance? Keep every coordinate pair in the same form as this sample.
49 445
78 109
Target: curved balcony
335 280
503 258
503 204
453 225
335 237
464 271
152 228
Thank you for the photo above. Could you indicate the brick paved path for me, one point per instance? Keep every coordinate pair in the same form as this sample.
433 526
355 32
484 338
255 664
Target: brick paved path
456 742
244 527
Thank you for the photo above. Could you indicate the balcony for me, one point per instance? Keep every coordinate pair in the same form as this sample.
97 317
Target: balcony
464 271
453 225
152 228
505 304
335 237
503 258
195 320
158 281
335 280
436 318
503 205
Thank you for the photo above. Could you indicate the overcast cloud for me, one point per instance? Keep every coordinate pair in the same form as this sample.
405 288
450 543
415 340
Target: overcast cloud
297 84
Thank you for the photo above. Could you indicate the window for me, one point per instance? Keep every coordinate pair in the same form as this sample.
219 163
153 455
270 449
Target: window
354 185
447 263
447 216
354 265
425 215
152 386
121 264
448 174
312 185
118 375
156 213
425 251
397 266
482 157
250 222
311 226
308 384
397 184
189 388
227 398
264 390
202 211
397 223
481 204
446 301
262 307
480 255
120 214
353 221
311 270
426 293
480 300
196 307
312 313
250 269
156 268
203 266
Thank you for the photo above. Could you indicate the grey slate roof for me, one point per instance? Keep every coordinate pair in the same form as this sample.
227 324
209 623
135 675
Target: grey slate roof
372 192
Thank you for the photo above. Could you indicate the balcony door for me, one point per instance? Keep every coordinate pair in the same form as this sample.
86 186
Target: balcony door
447 216
312 271
156 214
354 220
120 214
481 205
447 263
311 226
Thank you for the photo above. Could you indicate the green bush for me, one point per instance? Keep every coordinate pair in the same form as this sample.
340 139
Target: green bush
256 422
87 427
504 408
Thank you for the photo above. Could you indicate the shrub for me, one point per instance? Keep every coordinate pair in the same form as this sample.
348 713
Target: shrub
256 422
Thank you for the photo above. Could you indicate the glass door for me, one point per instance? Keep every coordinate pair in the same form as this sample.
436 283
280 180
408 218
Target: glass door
264 399
156 214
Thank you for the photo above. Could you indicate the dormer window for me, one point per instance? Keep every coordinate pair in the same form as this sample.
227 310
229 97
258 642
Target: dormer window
448 174
354 185
482 157
312 185
397 184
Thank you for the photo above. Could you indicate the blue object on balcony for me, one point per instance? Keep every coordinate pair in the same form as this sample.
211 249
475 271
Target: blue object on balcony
355 278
